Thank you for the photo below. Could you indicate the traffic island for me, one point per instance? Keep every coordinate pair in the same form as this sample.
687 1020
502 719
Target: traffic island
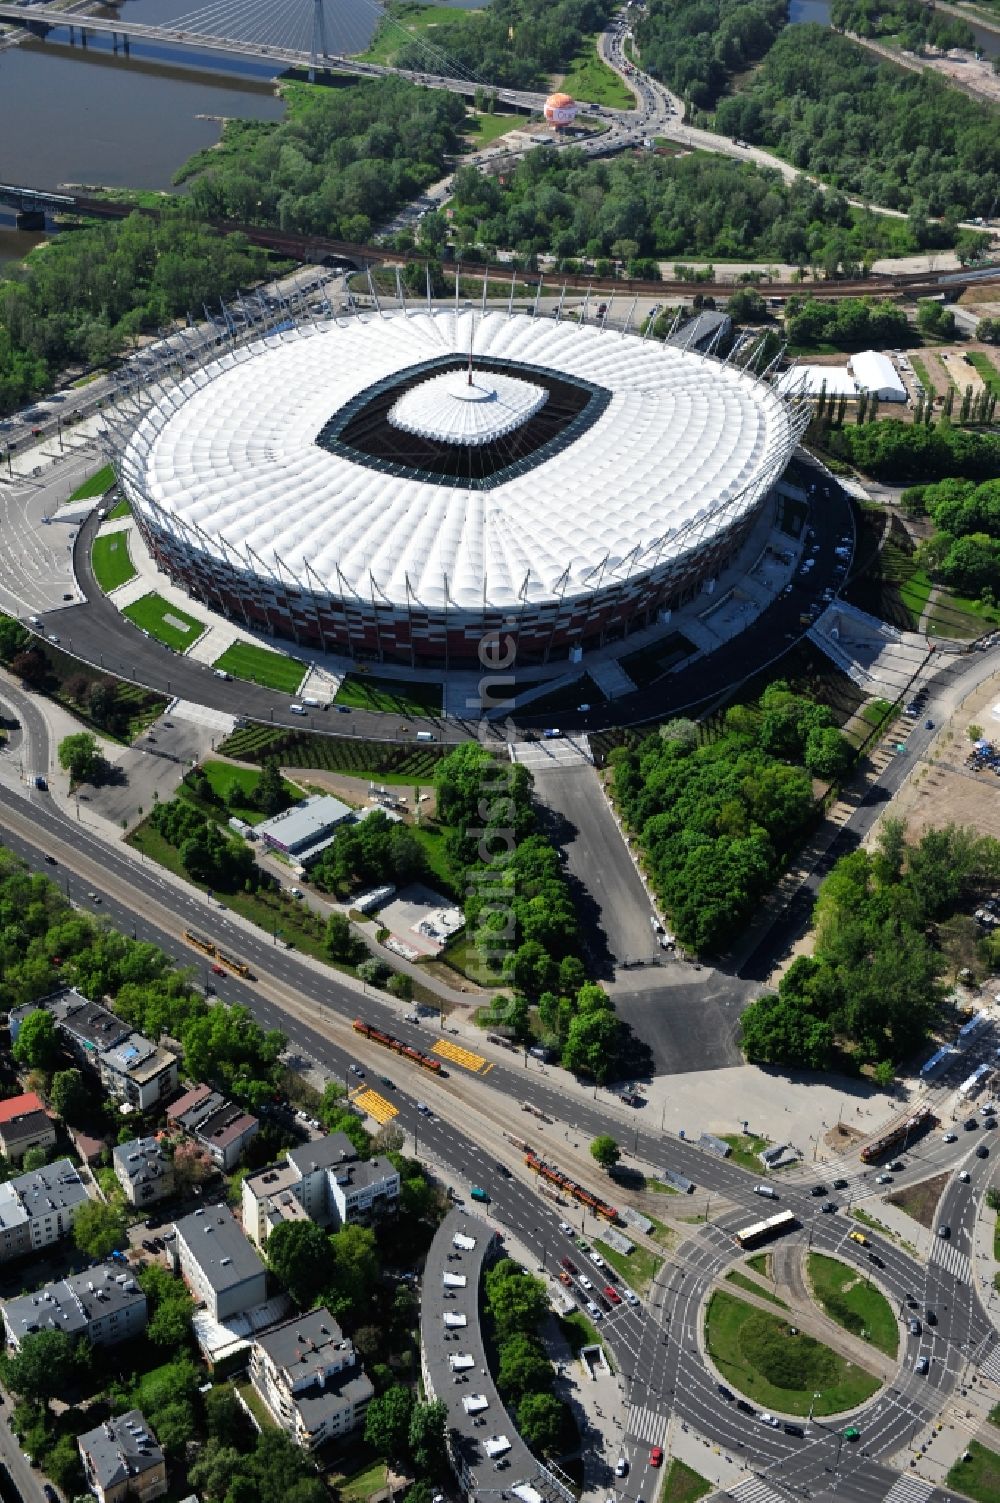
850 1299
768 1359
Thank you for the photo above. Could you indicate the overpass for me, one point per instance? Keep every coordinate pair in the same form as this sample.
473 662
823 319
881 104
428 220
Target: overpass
209 31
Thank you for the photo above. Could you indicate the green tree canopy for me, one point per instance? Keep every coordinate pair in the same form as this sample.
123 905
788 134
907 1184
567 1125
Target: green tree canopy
44 1366
300 1256
605 1150
387 1423
81 757
36 1045
99 1229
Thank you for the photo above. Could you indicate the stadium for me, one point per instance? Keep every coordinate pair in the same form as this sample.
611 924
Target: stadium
394 488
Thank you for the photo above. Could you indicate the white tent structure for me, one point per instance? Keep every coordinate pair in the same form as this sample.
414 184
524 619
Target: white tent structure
812 380
876 374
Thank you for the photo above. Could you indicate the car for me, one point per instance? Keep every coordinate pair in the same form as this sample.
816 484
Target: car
970 1124
727 1393
944 1231
630 1298
852 1433
503 1171
930 1317
424 1110
295 892
982 1152
49 1493
790 1429
950 1137
873 1257
147 1245
921 1365
859 1238
564 1278
357 1070
818 1190
569 1265
964 1174
915 1328
552 734
50 861
94 897
656 1456
883 1179
593 1311
897 1166
596 1259
585 1283
928 725
828 1206
53 637
159 1244
218 970
612 1294
744 1407
769 1419
840 1184
298 709
564 1226
621 1467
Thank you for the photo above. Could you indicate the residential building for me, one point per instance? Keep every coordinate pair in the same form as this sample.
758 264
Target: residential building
218 1263
130 1067
322 1181
38 1209
103 1303
24 1124
305 830
309 1376
122 1460
144 1170
223 1129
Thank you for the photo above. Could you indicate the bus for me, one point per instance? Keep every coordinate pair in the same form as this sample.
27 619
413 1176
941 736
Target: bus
763 1231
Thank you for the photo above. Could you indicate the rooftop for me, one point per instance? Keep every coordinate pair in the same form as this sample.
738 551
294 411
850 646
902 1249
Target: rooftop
304 822
69 1304
121 1448
306 1343
323 1153
365 1172
94 1026
42 1192
218 1244
19 1106
141 1159
199 1096
225 1125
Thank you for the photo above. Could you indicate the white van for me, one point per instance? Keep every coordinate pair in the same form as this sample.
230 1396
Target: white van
297 709
311 701
766 1191
425 736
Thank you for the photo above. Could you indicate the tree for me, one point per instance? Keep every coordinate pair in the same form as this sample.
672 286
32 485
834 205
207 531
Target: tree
523 1366
192 1165
606 1151
63 1465
426 1438
299 1255
98 1230
387 1423
540 1421
170 1307
69 1096
884 1073
43 1367
270 796
36 1045
340 941
35 1158
81 757
400 985
517 1300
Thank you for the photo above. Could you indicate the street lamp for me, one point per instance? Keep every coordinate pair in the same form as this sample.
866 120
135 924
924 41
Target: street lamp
812 1405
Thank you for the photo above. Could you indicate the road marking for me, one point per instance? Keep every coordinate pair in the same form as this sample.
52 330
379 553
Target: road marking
374 1105
753 1490
464 1057
991 1365
908 1490
646 1425
948 1257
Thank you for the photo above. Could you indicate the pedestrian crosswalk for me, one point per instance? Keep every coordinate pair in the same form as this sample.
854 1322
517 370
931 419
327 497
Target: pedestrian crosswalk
908 1489
948 1257
991 1365
648 1425
754 1490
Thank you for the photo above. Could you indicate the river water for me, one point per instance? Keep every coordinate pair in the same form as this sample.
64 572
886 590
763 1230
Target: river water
801 11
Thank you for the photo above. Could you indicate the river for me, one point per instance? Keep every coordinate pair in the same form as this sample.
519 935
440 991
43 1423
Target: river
801 11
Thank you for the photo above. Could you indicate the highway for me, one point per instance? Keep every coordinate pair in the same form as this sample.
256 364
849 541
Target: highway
658 1346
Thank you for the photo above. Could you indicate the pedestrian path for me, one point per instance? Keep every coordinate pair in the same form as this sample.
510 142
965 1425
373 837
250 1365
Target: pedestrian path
647 1425
908 1489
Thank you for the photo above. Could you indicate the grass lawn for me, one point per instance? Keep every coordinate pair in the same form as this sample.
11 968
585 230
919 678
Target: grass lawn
639 1267
223 777
111 562
920 1200
262 666
393 696
756 1353
986 370
578 1331
745 1148
921 372
480 130
95 485
415 19
463 957
681 1484
590 79
431 838
760 1263
955 616
752 1286
979 1477
876 712
853 1303
150 614
123 509
359 1485
255 1404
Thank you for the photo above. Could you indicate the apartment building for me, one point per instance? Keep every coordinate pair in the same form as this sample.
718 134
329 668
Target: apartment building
129 1066
24 1124
122 1459
144 1170
103 1304
221 1128
218 1263
311 1379
39 1208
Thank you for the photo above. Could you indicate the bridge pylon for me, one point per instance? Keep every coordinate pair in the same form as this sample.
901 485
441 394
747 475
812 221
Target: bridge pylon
318 54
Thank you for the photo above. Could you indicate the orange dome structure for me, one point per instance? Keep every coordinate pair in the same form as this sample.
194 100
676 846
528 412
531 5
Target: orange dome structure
560 109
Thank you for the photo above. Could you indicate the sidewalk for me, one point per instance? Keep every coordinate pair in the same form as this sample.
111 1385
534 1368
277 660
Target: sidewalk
984 1265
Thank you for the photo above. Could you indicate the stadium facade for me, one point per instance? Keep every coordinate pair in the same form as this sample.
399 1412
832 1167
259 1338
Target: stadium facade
397 487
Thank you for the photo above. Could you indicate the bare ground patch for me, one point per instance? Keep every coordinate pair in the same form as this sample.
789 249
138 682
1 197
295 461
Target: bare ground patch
920 1200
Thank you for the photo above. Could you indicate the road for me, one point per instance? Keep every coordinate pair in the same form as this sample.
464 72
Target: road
658 1346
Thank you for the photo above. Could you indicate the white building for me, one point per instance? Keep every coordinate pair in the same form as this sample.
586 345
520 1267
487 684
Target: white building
219 1265
322 1181
309 1376
876 374
143 1170
39 1208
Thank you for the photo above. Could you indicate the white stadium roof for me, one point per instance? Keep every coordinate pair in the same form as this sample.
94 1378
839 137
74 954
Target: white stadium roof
231 455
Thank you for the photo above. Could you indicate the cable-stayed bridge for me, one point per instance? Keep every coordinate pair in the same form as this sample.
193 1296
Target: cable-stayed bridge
291 33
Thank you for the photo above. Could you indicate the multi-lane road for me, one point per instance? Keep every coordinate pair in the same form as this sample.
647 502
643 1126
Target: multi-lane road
657 1346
